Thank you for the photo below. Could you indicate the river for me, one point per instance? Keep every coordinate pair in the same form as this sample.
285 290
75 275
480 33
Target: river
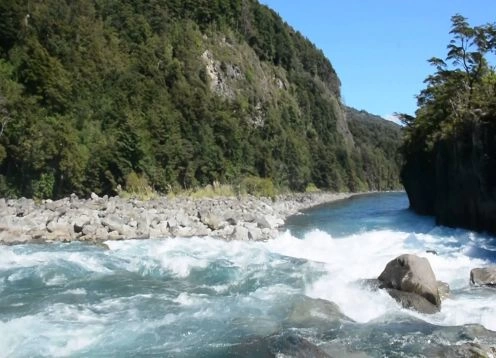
203 297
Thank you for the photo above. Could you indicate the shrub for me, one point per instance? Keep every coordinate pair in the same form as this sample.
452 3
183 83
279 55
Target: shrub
262 187
43 187
137 186
311 188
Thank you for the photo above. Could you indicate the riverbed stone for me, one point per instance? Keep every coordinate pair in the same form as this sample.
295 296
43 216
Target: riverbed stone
240 218
268 221
485 276
79 222
89 229
411 273
240 233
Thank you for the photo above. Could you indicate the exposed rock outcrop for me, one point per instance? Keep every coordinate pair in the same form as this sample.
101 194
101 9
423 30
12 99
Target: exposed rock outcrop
456 180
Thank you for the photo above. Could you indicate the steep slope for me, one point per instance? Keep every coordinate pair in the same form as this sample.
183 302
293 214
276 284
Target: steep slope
377 148
180 93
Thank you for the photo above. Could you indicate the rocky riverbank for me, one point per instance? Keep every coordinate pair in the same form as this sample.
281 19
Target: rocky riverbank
99 219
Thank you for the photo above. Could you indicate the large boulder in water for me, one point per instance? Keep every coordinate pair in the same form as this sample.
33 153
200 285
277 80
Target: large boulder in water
483 276
413 301
413 274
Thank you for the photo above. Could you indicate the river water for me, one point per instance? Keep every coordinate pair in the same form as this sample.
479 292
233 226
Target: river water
202 297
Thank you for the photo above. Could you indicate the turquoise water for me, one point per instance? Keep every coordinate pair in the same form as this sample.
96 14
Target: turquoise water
202 297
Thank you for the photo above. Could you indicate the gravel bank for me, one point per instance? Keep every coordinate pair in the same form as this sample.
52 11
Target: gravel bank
102 218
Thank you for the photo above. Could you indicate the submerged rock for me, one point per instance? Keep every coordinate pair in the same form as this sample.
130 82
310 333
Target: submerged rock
483 276
286 344
411 274
309 312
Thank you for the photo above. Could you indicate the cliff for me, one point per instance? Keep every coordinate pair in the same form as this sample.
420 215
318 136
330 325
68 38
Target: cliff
457 183
449 146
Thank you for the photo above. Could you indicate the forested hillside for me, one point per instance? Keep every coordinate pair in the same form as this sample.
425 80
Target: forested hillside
450 145
377 143
176 93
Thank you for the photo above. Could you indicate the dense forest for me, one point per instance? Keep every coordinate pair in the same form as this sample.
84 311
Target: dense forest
176 94
450 144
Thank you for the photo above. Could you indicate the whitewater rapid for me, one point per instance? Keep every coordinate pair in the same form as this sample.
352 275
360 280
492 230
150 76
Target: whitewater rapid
187 296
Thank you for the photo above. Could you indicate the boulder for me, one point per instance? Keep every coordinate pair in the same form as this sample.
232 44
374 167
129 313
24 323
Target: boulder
269 222
413 301
306 312
240 233
483 276
79 222
410 273
114 223
59 224
211 220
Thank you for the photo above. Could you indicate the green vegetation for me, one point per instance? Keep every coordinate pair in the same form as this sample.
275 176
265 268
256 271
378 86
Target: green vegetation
461 91
169 95
377 143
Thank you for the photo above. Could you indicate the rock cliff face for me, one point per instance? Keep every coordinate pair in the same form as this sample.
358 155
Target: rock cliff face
456 181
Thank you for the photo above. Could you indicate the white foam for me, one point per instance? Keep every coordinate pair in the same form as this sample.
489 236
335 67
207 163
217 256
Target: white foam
76 291
53 332
181 256
361 256
56 280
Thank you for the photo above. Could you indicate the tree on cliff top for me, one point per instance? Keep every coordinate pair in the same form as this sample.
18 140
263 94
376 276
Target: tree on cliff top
462 88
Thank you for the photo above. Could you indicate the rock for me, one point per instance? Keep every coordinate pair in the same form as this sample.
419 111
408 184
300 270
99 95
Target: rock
13 237
114 235
79 222
255 234
114 223
59 224
469 350
59 235
308 312
285 344
143 224
413 301
211 220
183 219
268 222
410 273
94 196
483 276
182 231
240 233
455 180
101 234
89 230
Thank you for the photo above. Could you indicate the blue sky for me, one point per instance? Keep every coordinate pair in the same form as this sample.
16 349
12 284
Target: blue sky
380 48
